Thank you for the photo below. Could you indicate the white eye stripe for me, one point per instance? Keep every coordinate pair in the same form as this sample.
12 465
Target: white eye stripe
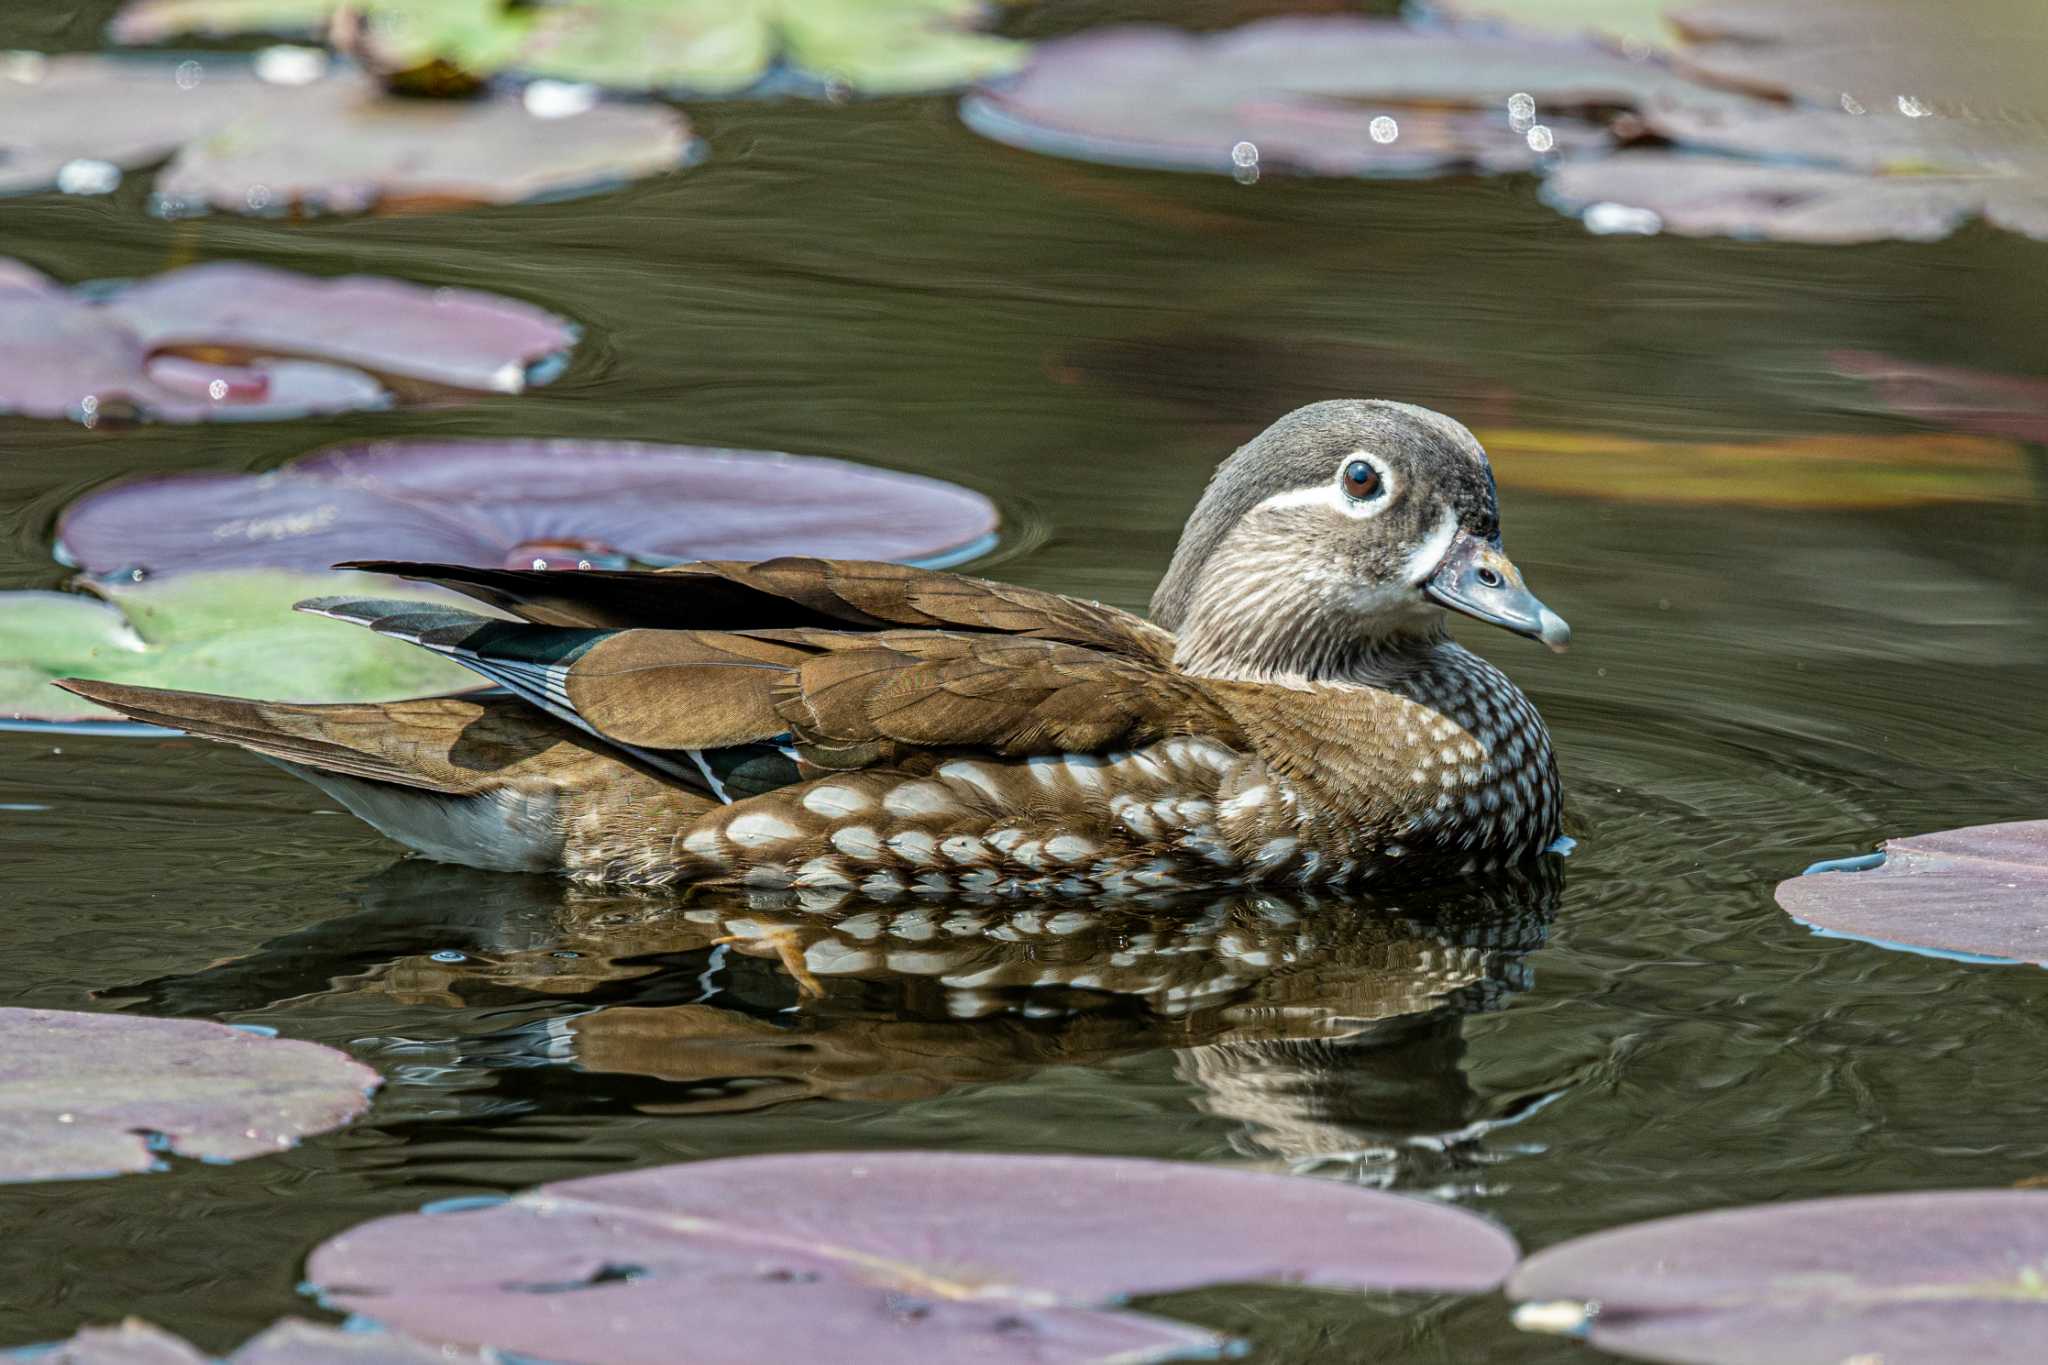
1333 496
1431 552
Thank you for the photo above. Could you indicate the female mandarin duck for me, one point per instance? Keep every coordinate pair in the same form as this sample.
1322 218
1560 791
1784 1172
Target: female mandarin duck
1294 712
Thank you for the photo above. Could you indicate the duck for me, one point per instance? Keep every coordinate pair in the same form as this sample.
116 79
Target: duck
1294 712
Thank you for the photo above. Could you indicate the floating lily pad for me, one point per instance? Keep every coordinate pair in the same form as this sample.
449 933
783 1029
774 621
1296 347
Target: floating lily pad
232 632
1953 396
320 141
710 47
290 1342
1799 471
91 1094
1977 892
1322 96
1818 175
513 503
1637 24
1906 1279
228 340
891 1256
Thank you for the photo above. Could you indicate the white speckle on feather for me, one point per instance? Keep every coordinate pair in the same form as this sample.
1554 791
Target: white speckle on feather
834 802
911 799
914 846
758 829
858 841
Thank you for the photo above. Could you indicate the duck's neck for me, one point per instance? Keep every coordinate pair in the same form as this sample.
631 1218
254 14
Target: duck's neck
1280 629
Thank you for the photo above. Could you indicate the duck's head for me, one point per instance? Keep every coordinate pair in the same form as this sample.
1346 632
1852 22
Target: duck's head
1346 528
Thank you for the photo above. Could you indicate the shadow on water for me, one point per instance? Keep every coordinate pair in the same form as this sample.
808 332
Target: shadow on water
1318 1030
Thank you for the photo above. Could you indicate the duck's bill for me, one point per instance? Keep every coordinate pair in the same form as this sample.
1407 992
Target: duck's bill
1476 578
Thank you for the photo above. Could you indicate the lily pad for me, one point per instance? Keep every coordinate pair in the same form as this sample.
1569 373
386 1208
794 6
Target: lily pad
1335 96
884 1256
704 47
289 1342
1636 24
1797 471
332 142
611 504
229 632
228 340
1906 1279
1818 175
1980 892
1953 396
91 1094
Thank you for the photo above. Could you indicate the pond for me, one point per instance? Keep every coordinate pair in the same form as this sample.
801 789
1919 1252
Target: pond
1771 666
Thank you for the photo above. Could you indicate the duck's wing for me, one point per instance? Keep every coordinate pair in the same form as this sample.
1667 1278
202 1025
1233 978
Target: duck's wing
694 703
792 594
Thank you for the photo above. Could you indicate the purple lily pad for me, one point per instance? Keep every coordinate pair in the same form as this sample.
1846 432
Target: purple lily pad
515 503
1333 96
1978 892
312 140
1907 1279
1952 396
80 1094
289 1342
228 340
884 1257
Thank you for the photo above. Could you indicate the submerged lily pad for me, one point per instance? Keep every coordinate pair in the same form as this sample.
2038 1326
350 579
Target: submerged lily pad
1817 175
514 503
1953 396
231 632
708 47
1978 892
884 1257
289 1342
1322 96
91 1094
1906 1279
332 142
1798 471
229 340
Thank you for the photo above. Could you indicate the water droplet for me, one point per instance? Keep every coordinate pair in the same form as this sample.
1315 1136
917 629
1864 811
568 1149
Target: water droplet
1913 108
1383 129
67 1118
87 176
1608 218
287 65
449 955
582 563
258 198
1244 154
188 75
540 563
1521 111
217 390
558 99
1540 139
1852 105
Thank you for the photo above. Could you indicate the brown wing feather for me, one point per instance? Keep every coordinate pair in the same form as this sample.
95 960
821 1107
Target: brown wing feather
456 746
793 594
854 698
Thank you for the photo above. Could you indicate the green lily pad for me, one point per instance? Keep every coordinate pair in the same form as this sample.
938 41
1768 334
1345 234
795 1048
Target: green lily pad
705 47
229 632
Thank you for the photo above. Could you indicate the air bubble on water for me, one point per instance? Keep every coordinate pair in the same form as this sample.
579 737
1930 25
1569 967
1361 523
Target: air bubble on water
289 65
559 99
1540 139
188 75
86 175
1608 219
1244 154
217 390
1852 105
1913 108
1521 111
540 563
449 955
1383 129
258 197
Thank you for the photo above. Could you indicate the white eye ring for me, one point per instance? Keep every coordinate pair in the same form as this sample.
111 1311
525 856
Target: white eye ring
1330 492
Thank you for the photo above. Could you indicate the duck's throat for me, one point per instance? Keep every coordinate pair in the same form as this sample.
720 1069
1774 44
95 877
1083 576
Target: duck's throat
1288 631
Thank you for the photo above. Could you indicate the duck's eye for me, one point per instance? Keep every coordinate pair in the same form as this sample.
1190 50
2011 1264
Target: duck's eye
1361 480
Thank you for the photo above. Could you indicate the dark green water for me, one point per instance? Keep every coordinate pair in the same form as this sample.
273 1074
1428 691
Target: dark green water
1751 690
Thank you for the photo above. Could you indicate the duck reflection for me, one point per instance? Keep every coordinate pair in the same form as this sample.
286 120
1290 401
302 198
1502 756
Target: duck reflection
1320 1027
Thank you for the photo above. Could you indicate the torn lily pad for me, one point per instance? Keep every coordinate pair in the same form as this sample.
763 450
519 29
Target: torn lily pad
231 632
569 504
332 142
291 1341
701 47
1977 893
227 340
99 1094
1334 96
1905 1279
1817 175
884 1257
